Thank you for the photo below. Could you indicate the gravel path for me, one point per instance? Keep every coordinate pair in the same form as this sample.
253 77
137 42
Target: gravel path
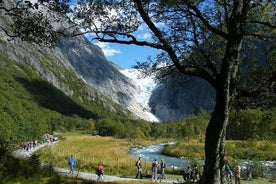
65 172
91 176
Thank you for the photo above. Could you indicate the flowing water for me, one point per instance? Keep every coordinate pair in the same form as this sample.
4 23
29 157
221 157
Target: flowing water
149 153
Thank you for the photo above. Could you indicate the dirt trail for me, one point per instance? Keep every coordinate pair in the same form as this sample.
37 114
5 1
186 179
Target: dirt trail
65 172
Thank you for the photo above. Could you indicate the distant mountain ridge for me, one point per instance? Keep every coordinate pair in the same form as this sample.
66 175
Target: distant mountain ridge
168 101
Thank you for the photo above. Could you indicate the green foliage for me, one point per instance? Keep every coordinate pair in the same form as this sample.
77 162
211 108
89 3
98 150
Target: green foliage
252 124
90 126
255 168
252 150
13 170
31 107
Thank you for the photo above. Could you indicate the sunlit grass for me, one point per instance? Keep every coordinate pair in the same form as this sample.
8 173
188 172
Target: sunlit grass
256 150
91 150
189 149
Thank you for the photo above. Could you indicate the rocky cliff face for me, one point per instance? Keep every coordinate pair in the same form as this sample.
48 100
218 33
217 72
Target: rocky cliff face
176 99
85 60
169 101
90 63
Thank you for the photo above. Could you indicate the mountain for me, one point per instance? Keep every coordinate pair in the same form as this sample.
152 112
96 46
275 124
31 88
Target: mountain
90 63
167 101
175 99
115 89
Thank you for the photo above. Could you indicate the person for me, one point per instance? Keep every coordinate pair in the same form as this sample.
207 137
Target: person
154 170
228 171
138 164
163 166
72 162
195 173
100 171
188 174
237 174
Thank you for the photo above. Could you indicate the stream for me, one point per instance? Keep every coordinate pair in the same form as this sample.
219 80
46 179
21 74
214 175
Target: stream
149 153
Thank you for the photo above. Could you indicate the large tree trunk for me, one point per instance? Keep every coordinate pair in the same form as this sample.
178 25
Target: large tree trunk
214 141
225 86
216 130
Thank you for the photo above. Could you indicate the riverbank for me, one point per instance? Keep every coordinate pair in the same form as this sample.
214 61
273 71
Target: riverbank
107 178
246 150
89 175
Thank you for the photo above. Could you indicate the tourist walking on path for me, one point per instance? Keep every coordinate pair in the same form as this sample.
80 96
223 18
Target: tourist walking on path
163 166
100 171
155 165
228 171
72 162
237 174
138 164
188 174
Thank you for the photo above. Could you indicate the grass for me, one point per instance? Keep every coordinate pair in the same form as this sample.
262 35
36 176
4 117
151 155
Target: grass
190 149
253 150
113 153
91 150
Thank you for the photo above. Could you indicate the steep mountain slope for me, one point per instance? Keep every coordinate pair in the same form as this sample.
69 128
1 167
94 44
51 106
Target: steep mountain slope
175 99
30 106
52 65
86 61
90 63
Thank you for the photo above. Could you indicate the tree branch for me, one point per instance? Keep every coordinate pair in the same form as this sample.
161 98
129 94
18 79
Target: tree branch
268 24
260 36
199 15
167 47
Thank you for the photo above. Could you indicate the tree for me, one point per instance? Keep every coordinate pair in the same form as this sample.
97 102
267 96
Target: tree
91 126
189 33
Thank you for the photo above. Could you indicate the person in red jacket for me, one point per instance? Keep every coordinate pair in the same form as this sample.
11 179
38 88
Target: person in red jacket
100 171
237 174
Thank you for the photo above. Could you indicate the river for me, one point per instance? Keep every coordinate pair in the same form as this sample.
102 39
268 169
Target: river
149 153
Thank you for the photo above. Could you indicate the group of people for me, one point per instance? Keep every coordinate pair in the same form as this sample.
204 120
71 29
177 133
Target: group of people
191 174
230 172
154 168
100 169
31 145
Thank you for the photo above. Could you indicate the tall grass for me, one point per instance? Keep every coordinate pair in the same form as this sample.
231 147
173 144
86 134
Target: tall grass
90 151
256 150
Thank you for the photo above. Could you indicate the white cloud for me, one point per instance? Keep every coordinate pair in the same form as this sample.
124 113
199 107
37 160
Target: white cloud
108 51
144 36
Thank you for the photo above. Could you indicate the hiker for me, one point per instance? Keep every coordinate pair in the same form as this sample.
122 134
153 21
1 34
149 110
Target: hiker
228 171
72 162
195 173
155 164
100 171
188 174
163 166
138 164
237 174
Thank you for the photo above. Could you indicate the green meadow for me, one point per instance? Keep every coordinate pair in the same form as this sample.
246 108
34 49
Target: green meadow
113 153
91 150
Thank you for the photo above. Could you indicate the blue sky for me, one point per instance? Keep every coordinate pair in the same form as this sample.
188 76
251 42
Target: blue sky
127 55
